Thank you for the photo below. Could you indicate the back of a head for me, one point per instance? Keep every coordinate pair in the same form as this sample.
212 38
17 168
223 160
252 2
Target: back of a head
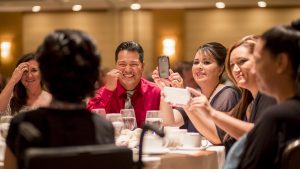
284 39
69 64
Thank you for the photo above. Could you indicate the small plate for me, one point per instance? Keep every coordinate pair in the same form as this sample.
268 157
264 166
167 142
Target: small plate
157 151
190 148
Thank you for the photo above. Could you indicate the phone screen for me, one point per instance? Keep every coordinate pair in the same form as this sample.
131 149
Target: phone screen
163 67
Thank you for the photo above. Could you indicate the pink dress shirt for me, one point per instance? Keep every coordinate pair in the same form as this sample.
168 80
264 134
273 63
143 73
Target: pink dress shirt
146 97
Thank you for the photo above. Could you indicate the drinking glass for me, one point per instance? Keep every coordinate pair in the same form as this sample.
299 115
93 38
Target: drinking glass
100 112
129 119
153 118
117 121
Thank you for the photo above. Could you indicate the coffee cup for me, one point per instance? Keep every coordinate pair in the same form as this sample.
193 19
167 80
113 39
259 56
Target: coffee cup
192 140
174 136
152 143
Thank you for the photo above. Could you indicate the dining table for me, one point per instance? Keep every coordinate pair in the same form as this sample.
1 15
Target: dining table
211 157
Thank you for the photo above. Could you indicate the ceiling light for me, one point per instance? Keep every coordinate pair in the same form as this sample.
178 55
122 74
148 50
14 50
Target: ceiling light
76 8
36 8
220 5
262 4
135 6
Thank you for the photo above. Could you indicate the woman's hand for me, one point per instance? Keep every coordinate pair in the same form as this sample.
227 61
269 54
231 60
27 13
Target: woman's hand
176 80
161 83
199 103
18 72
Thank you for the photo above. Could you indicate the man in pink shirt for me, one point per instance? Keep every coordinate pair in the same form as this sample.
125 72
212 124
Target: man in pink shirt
125 84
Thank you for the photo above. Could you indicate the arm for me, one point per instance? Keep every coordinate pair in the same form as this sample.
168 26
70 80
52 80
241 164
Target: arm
104 94
8 89
171 117
234 127
197 110
200 106
10 161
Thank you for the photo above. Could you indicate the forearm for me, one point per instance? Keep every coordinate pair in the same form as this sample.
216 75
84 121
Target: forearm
205 125
5 95
167 114
234 127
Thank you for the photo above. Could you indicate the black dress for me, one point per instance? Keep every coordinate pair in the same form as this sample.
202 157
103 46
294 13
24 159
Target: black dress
279 125
260 103
46 127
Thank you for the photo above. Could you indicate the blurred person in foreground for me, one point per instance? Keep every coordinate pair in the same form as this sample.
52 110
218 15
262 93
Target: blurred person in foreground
24 90
69 65
125 87
277 63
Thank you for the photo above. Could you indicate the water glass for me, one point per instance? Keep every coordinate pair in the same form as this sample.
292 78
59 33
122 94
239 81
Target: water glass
117 121
129 119
153 118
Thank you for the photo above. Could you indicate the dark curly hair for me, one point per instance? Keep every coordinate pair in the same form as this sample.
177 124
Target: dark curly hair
69 64
19 92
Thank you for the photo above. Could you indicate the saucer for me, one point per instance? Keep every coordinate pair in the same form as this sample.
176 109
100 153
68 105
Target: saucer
156 151
190 148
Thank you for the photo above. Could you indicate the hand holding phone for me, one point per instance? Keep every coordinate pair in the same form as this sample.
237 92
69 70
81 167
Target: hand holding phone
177 96
164 67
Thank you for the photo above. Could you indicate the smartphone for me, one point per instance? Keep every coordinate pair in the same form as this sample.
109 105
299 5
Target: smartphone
163 67
176 96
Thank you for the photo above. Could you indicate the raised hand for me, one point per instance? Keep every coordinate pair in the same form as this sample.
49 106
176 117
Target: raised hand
161 83
176 80
18 72
198 103
112 79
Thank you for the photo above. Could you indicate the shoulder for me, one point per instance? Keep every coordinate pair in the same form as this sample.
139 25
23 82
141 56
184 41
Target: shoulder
228 92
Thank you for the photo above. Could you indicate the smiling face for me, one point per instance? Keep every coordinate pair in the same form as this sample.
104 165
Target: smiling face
31 79
241 66
131 67
205 69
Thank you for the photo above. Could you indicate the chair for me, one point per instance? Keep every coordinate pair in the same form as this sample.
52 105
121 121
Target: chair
87 157
291 155
79 157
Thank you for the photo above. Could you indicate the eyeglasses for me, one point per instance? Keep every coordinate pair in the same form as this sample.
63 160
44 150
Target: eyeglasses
131 64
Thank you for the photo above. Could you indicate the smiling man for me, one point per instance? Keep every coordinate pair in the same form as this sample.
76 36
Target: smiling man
125 87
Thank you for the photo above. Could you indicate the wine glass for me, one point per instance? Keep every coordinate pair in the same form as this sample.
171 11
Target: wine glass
99 111
117 121
129 119
153 118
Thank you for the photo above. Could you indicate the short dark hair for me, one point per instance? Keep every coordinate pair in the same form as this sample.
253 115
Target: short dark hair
69 64
132 47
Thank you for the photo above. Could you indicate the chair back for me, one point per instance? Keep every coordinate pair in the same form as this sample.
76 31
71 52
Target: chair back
291 155
79 157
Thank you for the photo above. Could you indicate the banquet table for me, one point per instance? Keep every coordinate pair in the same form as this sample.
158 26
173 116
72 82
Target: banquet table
211 158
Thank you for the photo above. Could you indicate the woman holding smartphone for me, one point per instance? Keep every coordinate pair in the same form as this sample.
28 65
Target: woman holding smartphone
208 67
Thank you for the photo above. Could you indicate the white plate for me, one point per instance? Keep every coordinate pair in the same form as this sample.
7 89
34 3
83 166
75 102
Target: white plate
190 148
157 151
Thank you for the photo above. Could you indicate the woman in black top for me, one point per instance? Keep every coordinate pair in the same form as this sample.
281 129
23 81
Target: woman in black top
69 65
277 58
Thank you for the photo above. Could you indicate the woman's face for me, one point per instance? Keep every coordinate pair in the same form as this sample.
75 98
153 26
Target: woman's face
265 67
31 78
241 66
205 69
